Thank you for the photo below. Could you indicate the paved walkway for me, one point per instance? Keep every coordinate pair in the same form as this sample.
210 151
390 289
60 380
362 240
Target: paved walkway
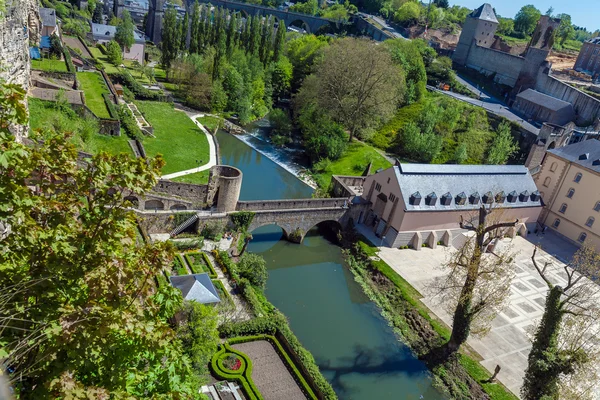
211 149
269 373
508 343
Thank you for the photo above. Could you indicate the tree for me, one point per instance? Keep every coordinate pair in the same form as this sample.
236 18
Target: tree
322 137
98 18
408 13
183 33
410 55
419 146
278 47
170 38
441 3
503 145
254 268
124 35
565 30
232 33
281 77
56 48
547 361
357 84
81 313
198 333
114 53
526 19
195 24
506 26
477 282
266 41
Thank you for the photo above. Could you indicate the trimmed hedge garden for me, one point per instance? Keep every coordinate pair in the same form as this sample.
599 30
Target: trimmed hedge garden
179 265
199 263
243 375
222 291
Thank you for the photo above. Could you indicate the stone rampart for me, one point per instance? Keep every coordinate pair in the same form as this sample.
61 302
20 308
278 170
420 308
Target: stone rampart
342 185
587 108
264 205
195 193
506 67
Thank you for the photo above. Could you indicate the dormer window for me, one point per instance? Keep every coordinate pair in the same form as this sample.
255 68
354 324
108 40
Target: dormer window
524 196
446 199
584 156
415 199
500 197
461 199
536 196
474 198
431 199
488 198
512 197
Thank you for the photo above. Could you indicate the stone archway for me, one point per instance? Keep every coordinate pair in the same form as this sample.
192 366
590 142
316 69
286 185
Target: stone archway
176 207
133 200
299 23
154 205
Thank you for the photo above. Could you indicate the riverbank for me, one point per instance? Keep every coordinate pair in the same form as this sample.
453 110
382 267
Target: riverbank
462 377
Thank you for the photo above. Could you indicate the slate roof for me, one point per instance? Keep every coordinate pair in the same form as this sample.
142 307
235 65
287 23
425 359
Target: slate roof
595 40
468 184
585 154
485 12
108 32
549 102
196 287
48 16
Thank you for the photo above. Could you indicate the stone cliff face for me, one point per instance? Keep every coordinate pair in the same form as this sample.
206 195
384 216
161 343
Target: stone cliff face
18 26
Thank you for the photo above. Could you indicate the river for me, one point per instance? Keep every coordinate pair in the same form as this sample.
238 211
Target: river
356 350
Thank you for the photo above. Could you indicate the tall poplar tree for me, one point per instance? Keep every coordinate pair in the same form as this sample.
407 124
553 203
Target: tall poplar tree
255 35
266 41
195 23
231 33
183 34
278 47
170 38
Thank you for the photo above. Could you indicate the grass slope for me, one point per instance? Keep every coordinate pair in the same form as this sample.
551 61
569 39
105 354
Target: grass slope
178 139
93 86
108 67
199 178
44 114
47 64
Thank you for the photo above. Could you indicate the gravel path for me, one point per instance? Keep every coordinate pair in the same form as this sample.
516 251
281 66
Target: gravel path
269 373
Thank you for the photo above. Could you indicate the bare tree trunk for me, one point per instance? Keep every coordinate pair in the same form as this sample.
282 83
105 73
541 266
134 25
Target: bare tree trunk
247 240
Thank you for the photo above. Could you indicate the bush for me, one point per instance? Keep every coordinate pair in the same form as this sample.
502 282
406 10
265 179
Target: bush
114 53
242 220
69 61
112 111
213 230
179 265
137 89
254 268
188 244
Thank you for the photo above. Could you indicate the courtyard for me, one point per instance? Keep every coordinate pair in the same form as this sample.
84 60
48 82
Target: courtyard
508 342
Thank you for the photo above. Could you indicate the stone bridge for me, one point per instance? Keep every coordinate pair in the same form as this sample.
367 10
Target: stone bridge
310 23
296 217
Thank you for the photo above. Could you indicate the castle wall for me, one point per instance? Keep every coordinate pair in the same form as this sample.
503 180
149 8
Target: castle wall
586 107
489 61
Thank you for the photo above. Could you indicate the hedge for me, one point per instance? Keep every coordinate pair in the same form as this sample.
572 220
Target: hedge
110 106
282 353
179 265
244 377
138 90
69 61
205 267
220 285
224 261
128 122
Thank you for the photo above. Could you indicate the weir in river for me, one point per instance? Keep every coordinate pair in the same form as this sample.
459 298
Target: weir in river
353 345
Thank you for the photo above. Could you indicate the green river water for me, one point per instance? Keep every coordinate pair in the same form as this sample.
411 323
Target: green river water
354 347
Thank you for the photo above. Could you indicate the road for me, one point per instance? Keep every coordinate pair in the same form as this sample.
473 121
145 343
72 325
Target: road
492 105
385 26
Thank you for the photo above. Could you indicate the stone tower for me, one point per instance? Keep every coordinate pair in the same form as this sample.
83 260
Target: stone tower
224 185
154 21
478 30
550 137
537 51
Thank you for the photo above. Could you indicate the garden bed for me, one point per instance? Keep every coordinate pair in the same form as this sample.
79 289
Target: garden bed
223 293
179 265
199 263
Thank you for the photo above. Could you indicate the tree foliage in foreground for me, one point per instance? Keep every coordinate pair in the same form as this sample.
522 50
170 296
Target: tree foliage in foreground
254 268
573 305
81 316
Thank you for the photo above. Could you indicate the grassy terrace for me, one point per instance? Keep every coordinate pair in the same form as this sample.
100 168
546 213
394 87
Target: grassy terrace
353 162
47 64
44 114
93 86
209 122
199 178
178 139
108 67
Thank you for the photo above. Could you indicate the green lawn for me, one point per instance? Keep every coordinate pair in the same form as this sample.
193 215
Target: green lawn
182 144
47 64
93 86
353 162
209 122
108 67
43 114
199 178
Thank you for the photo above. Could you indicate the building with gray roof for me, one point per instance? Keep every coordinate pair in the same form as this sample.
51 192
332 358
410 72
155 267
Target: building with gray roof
102 34
48 21
543 108
197 287
432 198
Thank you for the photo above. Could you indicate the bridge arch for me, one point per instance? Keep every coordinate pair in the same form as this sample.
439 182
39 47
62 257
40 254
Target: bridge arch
300 23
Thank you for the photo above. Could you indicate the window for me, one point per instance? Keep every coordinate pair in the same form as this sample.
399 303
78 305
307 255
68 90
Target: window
582 237
389 180
563 208
589 222
553 167
577 178
392 197
597 206
378 187
570 193
556 223
547 181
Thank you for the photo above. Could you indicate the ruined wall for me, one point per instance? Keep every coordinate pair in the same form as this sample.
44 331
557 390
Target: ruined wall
586 107
489 61
188 191
18 26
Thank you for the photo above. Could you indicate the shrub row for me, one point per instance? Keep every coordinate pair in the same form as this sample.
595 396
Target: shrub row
70 66
138 90
226 264
132 130
112 111
179 265
219 285
187 244
298 377
244 378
